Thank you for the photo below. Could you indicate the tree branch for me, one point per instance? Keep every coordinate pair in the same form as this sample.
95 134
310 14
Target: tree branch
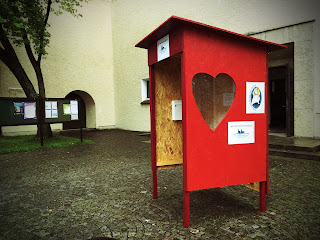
9 57
4 40
3 57
44 27
11 60
47 13
35 64
29 51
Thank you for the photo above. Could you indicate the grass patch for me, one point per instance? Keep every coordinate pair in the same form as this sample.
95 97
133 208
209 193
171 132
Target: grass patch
29 143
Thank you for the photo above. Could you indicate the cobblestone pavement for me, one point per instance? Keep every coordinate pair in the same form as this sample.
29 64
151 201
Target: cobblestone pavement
105 190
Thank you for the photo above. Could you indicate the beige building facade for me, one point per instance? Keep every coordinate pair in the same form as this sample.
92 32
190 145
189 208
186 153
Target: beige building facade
94 57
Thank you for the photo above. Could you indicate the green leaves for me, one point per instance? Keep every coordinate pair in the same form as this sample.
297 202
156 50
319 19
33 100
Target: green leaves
18 25
70 6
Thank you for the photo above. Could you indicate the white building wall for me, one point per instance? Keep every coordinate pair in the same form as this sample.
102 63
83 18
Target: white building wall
316 75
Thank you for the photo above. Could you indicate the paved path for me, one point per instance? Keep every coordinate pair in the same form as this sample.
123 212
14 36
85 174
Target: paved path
105 190
294 141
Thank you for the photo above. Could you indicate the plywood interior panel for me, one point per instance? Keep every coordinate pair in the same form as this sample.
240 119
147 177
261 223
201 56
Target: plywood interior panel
170 166
209 94
253 186
202 88
167 74
223 84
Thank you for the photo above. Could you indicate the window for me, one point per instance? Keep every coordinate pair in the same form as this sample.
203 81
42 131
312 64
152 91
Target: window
145 97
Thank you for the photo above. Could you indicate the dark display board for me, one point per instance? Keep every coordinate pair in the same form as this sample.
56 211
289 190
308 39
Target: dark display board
26 111
10 116
62 117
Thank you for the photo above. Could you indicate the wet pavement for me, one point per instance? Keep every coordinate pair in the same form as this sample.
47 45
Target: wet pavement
105 190
276 139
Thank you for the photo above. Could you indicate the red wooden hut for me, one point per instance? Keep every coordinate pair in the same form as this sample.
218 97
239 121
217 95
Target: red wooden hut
209 106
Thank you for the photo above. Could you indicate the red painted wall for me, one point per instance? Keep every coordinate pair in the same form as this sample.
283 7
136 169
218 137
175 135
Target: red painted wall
208 159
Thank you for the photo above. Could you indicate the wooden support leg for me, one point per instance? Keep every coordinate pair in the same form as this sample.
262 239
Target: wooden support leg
262 196
186 209
154 183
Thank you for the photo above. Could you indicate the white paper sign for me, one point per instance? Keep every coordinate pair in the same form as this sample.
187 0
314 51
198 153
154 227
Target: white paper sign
163 48
74 109
255 94
74 117
48 105
241 132
51 109
54 105
54 113
228 99
48 113
66 109
74 106
30 110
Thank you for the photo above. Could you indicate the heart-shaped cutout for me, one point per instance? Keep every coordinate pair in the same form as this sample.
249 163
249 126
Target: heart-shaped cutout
214 96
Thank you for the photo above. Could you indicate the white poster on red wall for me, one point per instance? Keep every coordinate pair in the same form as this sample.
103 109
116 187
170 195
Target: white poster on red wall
255 94
163 48
241 132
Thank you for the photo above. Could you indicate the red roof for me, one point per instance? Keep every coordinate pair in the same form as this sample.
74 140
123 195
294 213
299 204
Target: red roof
176 22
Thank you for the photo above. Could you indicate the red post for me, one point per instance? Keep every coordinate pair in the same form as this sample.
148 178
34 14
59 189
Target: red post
186 194
262 196
186 209
154 184
267 122
153 133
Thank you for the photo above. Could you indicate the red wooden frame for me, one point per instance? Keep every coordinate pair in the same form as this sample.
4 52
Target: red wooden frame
153 133
208 160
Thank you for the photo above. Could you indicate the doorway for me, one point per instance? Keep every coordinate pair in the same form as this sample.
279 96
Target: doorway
281 92
277 95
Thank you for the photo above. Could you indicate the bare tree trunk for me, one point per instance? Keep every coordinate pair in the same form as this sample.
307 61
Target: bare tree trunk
47 132
9 57
46 128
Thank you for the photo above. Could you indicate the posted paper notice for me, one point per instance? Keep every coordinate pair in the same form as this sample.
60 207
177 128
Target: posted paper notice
163 48
51 109
74 109
255 94
18 108
241 132
66 109
228 99
29 109
48 113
